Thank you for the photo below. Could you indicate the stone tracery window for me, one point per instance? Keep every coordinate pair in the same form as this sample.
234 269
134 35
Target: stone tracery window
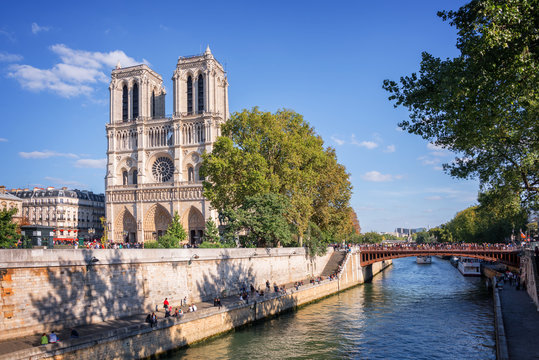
162 169
200 99
190 95
124 103
135 101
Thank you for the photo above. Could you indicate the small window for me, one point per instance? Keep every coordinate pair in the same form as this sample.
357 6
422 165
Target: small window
153 104
135 173
125 177
190 174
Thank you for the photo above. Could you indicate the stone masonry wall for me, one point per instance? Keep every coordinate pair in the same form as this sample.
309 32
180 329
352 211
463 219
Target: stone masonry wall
42 289
145 342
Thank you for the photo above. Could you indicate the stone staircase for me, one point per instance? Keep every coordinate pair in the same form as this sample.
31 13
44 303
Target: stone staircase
336 259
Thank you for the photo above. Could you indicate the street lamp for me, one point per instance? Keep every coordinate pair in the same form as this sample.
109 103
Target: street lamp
195 256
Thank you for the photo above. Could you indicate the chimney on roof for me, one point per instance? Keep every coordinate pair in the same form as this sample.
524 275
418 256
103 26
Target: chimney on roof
49 188
2 189
64 188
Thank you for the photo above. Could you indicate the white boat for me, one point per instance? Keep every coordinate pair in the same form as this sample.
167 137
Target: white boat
424 259
469 266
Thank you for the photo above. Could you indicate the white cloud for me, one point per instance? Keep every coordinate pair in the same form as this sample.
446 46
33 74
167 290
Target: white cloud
376 176
3 140
7 57
59 181
36 28
75 75
338 141
434 197
9 35
390 149
368 144
45 154
91 163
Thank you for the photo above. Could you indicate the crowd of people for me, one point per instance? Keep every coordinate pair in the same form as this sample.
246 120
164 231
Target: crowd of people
439 246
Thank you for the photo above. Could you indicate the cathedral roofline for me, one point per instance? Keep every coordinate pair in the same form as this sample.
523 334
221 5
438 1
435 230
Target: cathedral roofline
122 70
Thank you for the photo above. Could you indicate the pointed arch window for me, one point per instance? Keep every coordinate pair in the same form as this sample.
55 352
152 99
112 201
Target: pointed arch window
153 104
135 174
125 177
124 103
200 99
190 174
189 95
135 101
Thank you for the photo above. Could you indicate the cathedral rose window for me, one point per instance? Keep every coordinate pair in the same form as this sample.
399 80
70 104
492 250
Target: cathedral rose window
162 169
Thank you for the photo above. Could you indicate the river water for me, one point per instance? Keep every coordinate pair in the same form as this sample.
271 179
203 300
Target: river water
409 311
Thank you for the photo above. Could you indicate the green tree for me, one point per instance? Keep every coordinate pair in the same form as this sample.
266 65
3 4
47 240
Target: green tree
263 218
371 238
172 238
8 229
484 104
423 237
211 238
441 234
264 153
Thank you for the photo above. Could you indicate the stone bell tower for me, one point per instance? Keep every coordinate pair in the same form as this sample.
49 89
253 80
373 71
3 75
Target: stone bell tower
153 160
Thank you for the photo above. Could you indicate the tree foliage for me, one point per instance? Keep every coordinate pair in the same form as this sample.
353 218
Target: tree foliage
263 218
262 153
172 238
494 220
211 232
484 104
8 229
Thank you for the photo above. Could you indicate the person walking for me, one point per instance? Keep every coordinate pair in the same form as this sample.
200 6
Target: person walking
166 303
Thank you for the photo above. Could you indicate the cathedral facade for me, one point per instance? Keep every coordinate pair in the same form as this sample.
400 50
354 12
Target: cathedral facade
153 160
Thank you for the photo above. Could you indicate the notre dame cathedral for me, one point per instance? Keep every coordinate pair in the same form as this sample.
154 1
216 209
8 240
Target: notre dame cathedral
153 160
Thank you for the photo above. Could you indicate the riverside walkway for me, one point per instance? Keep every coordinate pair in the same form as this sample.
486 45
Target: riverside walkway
521 322
28 346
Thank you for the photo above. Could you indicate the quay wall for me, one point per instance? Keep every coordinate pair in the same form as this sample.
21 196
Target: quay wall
44 289
143 342
529 270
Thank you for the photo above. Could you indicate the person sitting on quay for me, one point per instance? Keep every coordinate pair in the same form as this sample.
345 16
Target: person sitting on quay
296 285
275 287
153 321
44 339
217 302
268 287
167 312
176 313
53 338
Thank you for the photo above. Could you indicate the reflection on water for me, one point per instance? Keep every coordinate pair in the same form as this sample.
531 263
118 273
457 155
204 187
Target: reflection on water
409 311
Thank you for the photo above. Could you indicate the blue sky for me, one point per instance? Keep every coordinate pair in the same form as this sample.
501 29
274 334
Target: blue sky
325 60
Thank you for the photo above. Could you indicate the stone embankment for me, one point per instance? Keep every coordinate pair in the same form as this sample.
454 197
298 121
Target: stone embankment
137 340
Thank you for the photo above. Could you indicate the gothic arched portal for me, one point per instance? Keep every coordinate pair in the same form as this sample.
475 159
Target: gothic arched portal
156 222
125 227
193 222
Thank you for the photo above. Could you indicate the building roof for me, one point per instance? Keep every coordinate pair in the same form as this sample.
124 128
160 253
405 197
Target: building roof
10 197
52 192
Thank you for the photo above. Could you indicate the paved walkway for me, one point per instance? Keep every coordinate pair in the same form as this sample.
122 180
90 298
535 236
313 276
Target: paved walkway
521 321
105 329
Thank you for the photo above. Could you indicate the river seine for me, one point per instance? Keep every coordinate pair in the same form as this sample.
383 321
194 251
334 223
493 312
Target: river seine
409 311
